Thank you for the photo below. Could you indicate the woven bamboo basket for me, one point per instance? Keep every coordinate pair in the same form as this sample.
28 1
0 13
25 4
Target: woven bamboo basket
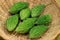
52 8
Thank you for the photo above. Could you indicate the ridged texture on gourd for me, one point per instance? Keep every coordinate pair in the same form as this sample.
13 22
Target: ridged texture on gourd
17 7
37 31
25 13
44 19
37 10
11 22
25 25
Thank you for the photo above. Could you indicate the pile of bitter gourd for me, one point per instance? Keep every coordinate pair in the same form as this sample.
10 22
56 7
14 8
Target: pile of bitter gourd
25 20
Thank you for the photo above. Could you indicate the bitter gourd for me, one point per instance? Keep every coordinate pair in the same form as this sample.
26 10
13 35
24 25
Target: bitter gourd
25 25
37 10
11 22
37 31
44 19
25 13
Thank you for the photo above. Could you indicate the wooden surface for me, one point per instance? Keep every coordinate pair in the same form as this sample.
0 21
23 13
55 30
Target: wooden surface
52 8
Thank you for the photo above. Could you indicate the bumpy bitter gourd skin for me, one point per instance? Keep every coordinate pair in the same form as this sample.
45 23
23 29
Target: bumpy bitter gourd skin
11 22
37 10
37 31
25 13
18 6
44 19
25 25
